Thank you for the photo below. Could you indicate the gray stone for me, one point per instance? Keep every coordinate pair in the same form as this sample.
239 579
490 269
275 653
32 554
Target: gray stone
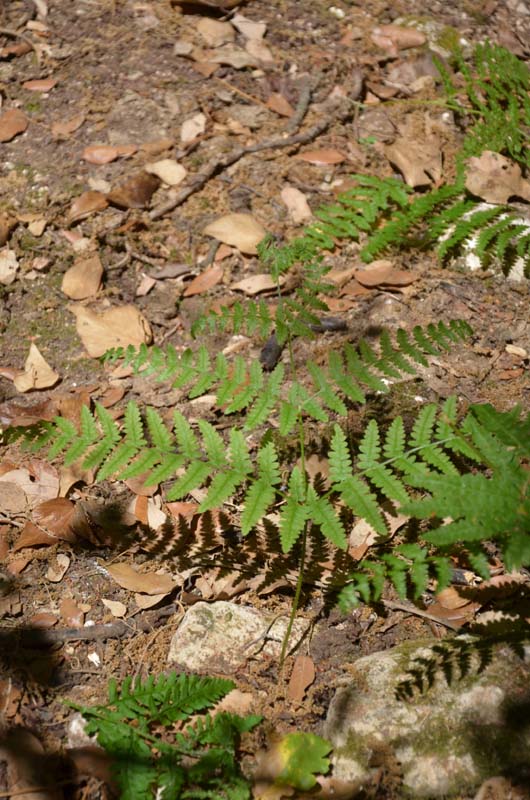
221 636
448 739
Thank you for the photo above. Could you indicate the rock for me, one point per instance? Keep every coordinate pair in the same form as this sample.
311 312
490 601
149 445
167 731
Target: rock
447 740
221 636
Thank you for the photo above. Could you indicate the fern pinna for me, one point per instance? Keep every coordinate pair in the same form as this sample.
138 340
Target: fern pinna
199 760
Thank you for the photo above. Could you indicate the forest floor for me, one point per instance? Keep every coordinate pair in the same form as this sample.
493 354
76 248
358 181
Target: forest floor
104 89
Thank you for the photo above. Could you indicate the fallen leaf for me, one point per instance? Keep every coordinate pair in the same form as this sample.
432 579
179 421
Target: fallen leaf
145 285
376 274
117 327
258 49
15 49
145 583
419 162
136 192
192 128
278 103
205 68
105 153
70 612
149 600
263 282
495 178
235 702
214 32
248 27
302 677
397 37
12 122
156 146
29 776
85 205
40 85
116 608
8 266
233 57
240 230
83 279
10 696
321 157
37 227
57 571
168 170
210 277
37 372
62 129
297 204
26 411
13 498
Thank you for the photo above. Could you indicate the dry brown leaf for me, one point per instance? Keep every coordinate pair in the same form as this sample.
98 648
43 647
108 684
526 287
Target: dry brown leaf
263 282
105 153
280 105
259 50
70 612
239 230
145 583
451 598
210 277
168 170
248 27
111 396
205 68
302 677
297 204
397 37
86 204
56 572
495 178
7 223
8 266
214 32
13 498
10 696
116 608
233 57
15 49
419 162
157 146
136 192
26 411
83 279
12 122
117 327
148 600
62 129
193 127
37 372
322 157
40 85
377 273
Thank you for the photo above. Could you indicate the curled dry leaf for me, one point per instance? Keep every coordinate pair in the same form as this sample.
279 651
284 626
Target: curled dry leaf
397 37
168 170
83 279
37 372
240 230
146 583
136 192
322 157
62 129
302 677
210 277
12 122
105 153
297 204
117 327
40 85
8 266
495 178
86 204
193 127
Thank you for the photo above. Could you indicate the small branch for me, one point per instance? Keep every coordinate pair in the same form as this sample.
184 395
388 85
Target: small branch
199 180
301 107
418 612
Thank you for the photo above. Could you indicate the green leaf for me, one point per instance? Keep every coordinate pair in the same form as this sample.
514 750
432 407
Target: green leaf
302 756
322 513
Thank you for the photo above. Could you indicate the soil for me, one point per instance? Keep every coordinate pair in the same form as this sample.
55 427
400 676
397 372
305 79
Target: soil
115 63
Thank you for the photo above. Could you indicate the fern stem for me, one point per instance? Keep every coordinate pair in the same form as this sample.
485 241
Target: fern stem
296 598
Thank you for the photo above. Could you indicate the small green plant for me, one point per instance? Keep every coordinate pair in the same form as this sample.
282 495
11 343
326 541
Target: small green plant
163 744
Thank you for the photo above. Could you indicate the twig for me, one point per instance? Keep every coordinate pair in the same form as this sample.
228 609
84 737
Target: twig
16 35
301 107
32 637
410 609
218 164
249 97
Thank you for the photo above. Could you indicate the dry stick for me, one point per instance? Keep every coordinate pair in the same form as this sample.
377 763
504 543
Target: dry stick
301 107
218 164
409 609
113 630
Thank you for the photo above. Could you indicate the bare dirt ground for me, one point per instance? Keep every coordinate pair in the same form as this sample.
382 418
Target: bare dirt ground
128 75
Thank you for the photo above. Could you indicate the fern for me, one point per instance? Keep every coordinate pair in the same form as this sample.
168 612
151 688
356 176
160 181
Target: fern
200 762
